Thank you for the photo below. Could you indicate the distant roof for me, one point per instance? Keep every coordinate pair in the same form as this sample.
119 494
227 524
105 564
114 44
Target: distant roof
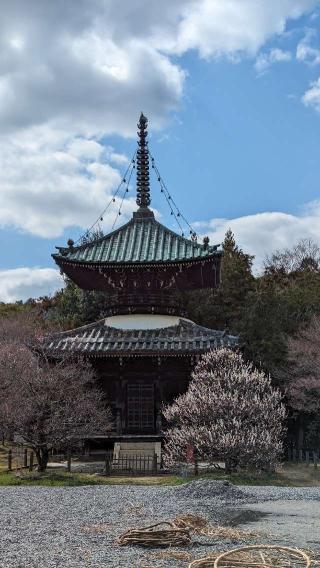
100 340
142 239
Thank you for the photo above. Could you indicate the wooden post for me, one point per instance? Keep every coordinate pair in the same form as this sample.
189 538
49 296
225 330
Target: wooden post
118 423
315 459
69 460
155 464
196 464
25 457
108 464
10 460
31 462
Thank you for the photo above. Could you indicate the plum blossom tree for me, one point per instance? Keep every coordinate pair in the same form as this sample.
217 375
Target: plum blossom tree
230 411
47 404
301 381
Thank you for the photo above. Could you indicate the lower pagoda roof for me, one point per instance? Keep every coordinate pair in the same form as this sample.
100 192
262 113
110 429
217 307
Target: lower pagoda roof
184 338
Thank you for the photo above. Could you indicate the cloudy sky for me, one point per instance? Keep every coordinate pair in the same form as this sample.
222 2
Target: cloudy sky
232 92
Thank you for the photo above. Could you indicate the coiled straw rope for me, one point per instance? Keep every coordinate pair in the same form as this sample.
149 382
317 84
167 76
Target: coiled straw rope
256 556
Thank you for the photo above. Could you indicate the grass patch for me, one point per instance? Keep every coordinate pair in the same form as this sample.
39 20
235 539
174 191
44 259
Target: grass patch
64 479
289 475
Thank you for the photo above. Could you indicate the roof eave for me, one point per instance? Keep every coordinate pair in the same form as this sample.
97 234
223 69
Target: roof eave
135 264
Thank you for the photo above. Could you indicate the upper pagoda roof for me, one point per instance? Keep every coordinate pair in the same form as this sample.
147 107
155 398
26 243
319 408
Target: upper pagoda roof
141 240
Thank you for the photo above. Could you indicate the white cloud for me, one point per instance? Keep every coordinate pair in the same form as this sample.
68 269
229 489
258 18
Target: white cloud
312 96
50 181
88 67
306 52
266 60
262 233
24 283
72 73
227 27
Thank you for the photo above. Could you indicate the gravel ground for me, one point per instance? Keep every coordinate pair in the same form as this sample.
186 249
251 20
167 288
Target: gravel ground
77 527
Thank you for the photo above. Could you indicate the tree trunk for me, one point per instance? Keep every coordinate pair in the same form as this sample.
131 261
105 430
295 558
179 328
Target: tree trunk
300 433
230 465
42 458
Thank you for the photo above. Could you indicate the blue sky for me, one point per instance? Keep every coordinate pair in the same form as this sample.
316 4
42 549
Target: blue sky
232 93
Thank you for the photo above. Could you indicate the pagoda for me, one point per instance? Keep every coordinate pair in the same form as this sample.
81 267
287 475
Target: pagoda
145 347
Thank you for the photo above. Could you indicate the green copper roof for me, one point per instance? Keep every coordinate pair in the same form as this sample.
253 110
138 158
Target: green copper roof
140 240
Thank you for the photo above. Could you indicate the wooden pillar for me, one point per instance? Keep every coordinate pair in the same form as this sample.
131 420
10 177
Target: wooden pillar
69 460
10 460
118 422
31 461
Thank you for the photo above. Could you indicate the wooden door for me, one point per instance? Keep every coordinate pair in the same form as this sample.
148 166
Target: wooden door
140 406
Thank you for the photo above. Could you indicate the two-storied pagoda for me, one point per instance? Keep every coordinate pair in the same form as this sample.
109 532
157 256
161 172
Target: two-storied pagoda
144 348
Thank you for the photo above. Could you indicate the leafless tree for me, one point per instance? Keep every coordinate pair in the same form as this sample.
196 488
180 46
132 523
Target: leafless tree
47 404
305 255
230 411
19 328
300 380
303 373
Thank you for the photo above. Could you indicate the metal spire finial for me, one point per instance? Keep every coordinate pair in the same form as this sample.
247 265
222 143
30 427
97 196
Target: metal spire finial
143 182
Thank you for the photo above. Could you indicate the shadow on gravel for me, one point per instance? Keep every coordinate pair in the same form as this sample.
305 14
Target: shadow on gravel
235 517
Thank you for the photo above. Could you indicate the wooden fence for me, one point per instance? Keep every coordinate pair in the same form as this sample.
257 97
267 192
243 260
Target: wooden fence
131 465
304 456
20 458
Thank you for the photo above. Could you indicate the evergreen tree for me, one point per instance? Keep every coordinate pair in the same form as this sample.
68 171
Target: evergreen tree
263 331
224 307
67 310
237 282
283 302
72 306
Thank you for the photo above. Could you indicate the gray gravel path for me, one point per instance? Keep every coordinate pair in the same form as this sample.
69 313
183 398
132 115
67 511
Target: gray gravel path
77 527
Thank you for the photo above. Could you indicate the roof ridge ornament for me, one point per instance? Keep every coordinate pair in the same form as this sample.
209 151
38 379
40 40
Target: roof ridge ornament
143 181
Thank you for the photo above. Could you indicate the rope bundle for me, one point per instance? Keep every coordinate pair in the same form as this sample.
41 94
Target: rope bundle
150 537
256 556
179 533
191 522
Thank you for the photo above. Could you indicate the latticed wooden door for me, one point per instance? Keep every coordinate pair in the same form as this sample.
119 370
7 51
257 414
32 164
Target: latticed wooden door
140 406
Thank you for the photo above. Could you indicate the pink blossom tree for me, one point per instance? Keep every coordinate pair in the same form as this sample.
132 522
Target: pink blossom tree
47 404
301 382
230 411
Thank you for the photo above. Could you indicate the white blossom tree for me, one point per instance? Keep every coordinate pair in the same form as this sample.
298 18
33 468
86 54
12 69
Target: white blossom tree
230 411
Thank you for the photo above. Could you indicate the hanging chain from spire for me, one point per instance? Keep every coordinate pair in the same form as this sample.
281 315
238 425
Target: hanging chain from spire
124 195
174 209
143 182
95 227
